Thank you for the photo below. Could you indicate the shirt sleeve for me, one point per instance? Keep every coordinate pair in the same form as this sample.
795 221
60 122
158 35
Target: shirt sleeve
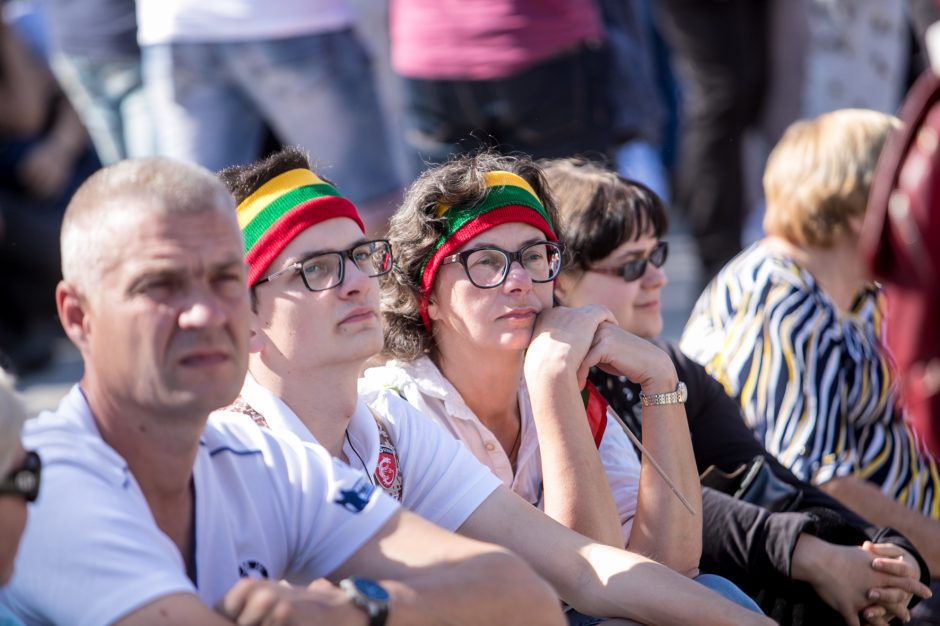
91 553
332 509
622 467
441 480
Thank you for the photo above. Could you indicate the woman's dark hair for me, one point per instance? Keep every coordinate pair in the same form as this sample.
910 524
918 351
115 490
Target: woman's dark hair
599 210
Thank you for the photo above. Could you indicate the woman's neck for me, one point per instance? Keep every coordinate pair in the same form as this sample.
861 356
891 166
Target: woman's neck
838 270
487 382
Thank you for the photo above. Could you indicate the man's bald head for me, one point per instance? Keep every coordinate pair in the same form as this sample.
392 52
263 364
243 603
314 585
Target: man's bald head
156 187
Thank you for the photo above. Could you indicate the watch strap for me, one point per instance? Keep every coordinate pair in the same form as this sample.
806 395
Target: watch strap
375 608
678 396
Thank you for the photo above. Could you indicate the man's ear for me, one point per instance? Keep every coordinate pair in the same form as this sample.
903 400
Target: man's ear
75 320
563 285
256 338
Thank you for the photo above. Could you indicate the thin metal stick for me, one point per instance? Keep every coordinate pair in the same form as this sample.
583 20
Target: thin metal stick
656 466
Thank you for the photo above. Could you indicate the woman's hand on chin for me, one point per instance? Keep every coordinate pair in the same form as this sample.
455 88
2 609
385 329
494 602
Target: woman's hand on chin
622 353
561 340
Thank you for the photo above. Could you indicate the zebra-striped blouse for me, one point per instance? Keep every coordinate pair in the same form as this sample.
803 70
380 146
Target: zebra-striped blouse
813 383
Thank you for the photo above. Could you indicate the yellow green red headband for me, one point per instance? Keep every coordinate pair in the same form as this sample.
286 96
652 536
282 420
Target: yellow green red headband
281 209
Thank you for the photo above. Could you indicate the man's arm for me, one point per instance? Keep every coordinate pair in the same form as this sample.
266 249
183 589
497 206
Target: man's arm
867 500
437 577
600 580
432 576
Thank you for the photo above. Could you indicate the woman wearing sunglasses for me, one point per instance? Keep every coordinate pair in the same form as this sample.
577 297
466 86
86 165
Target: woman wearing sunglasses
613 230
476 344
19 484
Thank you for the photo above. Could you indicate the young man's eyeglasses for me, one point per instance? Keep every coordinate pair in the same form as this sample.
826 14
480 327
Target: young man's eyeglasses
632 270
326 270
23 481
488 266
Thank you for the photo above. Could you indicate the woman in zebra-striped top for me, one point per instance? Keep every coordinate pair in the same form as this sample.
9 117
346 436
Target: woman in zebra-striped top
791 328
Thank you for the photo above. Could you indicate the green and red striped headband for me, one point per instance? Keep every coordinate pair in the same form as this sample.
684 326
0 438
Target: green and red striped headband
509 199
281 209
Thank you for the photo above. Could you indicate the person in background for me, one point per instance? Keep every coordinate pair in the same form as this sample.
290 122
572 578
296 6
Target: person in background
44 155
613 229
791 328
525 76
218 71
95 56
20 472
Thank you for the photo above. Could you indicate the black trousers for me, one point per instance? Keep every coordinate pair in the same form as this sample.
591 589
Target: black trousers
720 52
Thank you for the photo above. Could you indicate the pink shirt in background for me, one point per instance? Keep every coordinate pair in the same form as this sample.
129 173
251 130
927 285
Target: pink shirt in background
485 39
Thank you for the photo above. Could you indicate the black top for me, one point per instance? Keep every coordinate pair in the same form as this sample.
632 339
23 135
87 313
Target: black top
742 541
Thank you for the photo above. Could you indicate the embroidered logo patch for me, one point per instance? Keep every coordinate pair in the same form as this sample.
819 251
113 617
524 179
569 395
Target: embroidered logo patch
357 497
387 469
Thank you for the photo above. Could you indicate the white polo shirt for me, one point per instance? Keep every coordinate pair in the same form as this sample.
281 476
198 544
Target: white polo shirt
441 481
265 506
423 385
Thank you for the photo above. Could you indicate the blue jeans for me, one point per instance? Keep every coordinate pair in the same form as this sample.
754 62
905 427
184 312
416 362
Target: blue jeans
212 101
109 97
721 586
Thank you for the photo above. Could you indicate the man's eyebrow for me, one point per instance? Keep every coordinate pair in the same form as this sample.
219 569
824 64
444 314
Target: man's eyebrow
229 263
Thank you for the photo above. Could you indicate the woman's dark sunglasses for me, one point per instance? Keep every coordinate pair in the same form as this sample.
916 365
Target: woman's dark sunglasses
632 270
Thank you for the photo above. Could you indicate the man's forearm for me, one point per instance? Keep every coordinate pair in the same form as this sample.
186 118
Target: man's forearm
868 501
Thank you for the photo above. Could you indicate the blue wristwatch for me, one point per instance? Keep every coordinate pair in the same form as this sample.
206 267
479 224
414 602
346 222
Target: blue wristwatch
369 596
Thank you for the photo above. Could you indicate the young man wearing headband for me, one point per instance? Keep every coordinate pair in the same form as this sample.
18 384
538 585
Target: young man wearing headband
315 322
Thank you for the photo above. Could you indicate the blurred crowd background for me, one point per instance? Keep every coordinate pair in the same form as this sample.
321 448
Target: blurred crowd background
688 96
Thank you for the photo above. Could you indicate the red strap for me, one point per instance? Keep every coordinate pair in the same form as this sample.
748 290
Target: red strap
596 407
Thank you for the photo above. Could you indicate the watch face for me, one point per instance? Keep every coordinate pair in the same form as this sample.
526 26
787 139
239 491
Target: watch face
371 589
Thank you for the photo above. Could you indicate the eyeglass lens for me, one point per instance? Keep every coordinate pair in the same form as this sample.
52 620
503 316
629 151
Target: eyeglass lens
635 269
324 271
489 267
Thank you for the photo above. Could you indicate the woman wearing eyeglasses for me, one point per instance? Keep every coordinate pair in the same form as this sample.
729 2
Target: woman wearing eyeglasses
19 484
613 230
476 343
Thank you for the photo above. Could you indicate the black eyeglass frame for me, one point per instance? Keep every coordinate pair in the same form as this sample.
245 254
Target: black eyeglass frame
635 269
24 479
511 257
341 266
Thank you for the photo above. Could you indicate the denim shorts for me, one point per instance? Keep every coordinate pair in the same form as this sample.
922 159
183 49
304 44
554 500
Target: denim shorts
212 101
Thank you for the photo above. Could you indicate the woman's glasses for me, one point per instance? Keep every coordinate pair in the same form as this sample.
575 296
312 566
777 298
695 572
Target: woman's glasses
488 266
632 270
